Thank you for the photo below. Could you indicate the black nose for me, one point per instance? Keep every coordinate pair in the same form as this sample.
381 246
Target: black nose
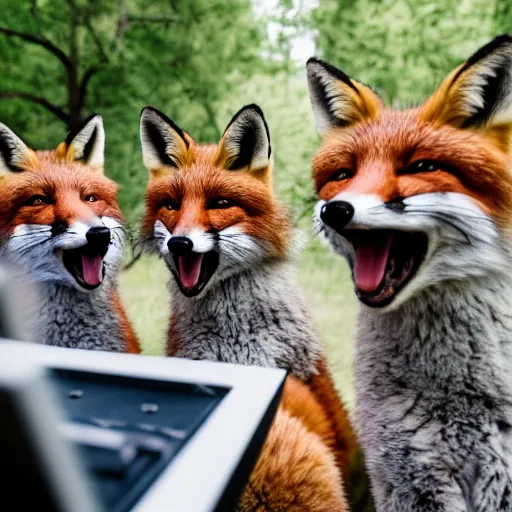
337 214
180 245
98 238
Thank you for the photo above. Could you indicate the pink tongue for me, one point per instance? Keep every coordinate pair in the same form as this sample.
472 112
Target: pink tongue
371 260
189 269
92 269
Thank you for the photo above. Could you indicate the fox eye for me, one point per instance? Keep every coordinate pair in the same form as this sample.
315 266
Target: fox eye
38 200
91 198
220 203
422 166
341 175
171 204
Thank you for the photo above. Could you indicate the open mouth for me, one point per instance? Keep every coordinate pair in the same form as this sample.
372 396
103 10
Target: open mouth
385 261
194 270
85 265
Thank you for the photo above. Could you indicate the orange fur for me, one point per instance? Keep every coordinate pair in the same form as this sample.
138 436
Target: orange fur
296 470
202 180
52 173
68 182
343 441
375 151
309 447
132 343
258 214
467 135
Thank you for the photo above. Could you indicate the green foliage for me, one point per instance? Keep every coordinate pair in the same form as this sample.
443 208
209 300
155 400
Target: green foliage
285 102
182 57
404 48
200 61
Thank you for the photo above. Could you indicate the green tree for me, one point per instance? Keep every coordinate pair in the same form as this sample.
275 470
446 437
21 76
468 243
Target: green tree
64 59
402 48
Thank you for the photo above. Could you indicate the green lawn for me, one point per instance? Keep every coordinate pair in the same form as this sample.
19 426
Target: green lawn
323 276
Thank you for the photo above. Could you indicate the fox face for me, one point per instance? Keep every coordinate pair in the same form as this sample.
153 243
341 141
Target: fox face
416 197
210 211
59 217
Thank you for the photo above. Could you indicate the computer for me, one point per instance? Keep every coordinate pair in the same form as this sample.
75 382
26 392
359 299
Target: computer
96 431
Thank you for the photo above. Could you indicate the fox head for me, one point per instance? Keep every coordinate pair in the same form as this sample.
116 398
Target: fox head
210 210
416 197
59 217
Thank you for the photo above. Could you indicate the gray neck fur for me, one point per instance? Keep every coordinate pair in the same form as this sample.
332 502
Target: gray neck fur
434 398
256 317
71 318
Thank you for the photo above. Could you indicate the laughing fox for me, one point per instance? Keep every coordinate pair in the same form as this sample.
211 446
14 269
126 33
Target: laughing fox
60 222
212 216
420 204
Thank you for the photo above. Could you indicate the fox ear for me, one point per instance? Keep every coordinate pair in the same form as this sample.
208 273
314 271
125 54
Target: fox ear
337 100
85 144
13 151
164 144
246 142
479 92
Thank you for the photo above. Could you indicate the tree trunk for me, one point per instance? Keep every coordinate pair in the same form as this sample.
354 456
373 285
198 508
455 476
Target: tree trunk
75 107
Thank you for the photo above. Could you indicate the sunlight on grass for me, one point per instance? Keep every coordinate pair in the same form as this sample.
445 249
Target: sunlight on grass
145 295
323 277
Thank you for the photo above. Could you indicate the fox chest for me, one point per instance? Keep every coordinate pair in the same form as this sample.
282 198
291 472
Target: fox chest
435 405
256 340
89 323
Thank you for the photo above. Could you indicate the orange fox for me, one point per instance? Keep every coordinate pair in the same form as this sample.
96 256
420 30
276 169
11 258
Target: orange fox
419 202
212 216
60 222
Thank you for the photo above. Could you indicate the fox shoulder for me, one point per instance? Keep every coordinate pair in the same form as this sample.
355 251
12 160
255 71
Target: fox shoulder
132 345
295 471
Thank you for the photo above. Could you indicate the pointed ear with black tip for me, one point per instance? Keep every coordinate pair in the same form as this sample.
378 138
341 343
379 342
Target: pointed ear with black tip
477 94
85 144
245 144
337 100
164 145
14 154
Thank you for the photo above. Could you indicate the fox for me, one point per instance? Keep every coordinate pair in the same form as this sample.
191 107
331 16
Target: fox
61 225
212 216
419 203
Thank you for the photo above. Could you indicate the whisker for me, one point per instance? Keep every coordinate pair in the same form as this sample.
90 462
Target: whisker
33 232
120 228
429 209
447 221
147 244
32 235
444 216
483 218
29 245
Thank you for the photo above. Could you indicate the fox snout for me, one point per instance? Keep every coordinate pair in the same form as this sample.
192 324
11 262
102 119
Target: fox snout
180 245
337 214
195 261
98 239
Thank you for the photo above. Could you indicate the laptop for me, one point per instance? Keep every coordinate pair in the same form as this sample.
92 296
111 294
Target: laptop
96 431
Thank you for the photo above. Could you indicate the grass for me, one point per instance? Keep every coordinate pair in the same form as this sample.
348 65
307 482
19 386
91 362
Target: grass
323 277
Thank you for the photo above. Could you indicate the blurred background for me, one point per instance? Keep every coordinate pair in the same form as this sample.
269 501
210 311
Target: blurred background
199 61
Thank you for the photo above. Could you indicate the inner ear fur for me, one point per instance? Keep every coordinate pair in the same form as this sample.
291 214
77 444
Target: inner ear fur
165 146
15 156
478 93
85 144
245 144
336 99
